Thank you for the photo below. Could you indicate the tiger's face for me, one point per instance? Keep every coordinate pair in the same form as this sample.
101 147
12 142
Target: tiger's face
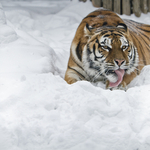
109 55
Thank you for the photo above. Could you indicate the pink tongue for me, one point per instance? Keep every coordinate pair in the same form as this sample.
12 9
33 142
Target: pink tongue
120 74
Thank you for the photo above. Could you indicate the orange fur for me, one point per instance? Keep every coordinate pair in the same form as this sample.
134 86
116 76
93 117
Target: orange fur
91 29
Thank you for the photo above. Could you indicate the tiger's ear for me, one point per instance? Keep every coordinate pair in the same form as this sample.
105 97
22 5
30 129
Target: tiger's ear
122 26
88 30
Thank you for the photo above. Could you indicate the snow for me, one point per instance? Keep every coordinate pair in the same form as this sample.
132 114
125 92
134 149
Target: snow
38 109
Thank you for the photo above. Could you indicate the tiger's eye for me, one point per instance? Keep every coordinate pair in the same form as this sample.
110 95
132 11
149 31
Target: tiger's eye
124 47
105 47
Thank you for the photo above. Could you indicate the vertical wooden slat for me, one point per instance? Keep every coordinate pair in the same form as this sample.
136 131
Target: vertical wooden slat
96 3
136 8
144 6
117 6
107 4
148 5
126 8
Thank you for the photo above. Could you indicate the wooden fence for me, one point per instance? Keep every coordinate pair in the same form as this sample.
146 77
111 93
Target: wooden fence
127 7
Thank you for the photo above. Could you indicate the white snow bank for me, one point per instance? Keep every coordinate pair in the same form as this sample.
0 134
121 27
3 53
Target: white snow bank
39 110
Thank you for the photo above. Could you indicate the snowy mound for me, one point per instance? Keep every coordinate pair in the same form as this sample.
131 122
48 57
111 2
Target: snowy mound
38 109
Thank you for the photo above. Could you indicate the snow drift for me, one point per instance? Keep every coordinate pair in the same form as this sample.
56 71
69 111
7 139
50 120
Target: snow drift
38 109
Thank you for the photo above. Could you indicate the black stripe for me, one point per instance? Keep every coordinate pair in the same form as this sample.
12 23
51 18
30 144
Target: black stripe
140 24
117 34
79 51
93 47
142 29
103 32
144 40
120 32
131 22
105 23
90 16
133 37
77 63
88 50
134 55
106 35
98 43
141 47
97 40
103 43
94 53
141 34
145 36
96 56
77 72
145 43
142 50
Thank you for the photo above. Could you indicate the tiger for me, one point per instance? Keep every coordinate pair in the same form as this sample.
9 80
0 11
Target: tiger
108 49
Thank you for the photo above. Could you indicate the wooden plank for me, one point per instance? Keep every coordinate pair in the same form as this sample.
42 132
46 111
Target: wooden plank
96 3
117 6
107 4
144 6
126 8
148 5
136 8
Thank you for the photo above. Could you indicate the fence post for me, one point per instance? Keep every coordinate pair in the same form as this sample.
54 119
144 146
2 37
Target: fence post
96 3
144 6
136 8
117 5
107 4
126 8
148 5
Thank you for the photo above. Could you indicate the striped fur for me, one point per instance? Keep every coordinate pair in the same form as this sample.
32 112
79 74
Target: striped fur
104 43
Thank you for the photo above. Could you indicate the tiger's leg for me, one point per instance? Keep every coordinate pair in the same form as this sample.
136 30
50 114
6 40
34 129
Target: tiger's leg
72 76
127 79
70 80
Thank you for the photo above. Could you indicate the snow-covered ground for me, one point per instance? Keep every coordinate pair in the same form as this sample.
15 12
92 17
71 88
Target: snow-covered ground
38 109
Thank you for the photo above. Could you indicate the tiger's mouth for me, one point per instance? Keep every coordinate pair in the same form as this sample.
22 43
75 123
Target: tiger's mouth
117 73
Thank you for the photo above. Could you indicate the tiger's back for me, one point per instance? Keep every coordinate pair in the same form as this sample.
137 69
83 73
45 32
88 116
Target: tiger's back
140 34
99 23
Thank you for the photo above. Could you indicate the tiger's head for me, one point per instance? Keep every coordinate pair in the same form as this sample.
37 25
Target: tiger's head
109 53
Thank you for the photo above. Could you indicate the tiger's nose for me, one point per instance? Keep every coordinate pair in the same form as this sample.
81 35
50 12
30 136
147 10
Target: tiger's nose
119 62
